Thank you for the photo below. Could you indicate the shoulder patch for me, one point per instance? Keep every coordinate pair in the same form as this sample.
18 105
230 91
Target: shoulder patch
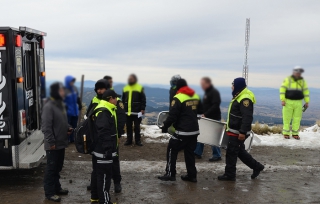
173 102
246 103
121 105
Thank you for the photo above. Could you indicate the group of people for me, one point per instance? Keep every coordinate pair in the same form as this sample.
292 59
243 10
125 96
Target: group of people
111 114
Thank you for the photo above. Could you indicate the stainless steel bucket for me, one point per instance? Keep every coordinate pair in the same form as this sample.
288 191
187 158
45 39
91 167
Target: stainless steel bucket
212 132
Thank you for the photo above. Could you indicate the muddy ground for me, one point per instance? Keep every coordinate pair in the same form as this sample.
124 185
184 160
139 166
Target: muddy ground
291 176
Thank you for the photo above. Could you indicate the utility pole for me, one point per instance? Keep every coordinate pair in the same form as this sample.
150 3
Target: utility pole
245 71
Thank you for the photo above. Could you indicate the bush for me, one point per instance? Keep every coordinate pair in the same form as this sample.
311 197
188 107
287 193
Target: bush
264 129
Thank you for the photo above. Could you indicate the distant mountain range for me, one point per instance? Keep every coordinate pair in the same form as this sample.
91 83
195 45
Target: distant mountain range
267 109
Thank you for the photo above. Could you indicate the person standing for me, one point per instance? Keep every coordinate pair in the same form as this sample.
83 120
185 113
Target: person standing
105 148
183 115
55 129
240 117
211 108
293 91
134 100
101 87
173 86
73 103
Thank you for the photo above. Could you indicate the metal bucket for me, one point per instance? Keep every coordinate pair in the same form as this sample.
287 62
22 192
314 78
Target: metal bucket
212 132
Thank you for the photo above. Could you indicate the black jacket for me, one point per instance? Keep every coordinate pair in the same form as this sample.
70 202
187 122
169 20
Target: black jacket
240 116
105 131
183 113
136 94
121 118
172 93
211 104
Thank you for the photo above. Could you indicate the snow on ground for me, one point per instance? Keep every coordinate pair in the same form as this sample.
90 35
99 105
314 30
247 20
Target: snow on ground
310 138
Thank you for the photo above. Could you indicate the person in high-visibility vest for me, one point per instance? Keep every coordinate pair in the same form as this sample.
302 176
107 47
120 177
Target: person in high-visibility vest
293 91
105 150
185 106
240 117
134 100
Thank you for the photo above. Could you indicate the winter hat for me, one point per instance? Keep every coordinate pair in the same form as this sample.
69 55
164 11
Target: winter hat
54 90
100 84
181 83
239 84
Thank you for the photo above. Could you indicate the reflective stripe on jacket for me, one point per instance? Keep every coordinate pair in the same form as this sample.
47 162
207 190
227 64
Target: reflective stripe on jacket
240 113
134 99
294 89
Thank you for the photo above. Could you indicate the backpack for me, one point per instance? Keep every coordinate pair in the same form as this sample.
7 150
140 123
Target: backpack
85 133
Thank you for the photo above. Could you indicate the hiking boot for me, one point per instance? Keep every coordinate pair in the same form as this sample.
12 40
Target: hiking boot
117 188
197 156
215 159
167 178
187 178
139 144
62 192
127 143
256 173
226 178
89 188
54 198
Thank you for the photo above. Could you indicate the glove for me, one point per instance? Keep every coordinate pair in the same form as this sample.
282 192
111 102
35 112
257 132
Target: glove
164 129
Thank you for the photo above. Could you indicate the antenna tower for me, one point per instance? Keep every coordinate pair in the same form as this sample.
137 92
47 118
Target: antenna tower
245 71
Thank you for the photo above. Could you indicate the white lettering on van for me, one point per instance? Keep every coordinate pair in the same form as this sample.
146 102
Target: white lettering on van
2 103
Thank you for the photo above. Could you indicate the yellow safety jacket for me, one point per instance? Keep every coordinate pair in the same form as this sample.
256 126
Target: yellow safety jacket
134 99
294 89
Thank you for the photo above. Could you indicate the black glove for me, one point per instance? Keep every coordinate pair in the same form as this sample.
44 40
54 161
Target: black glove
164 129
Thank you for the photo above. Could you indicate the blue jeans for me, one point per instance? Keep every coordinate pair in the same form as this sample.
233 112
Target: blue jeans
73 121
216 151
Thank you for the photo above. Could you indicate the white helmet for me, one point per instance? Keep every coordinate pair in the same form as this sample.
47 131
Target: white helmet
298 69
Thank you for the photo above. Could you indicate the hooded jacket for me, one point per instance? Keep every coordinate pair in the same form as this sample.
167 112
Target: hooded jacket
54 122
71 99
183 112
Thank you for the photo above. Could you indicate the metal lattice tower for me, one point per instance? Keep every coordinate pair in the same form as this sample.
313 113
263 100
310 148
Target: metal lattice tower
245 71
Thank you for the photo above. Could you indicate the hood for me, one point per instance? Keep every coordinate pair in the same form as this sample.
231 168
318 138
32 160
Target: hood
67 81
54 91
186 90
249 94
239 85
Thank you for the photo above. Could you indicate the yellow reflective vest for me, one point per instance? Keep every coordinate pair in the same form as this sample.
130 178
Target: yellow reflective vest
294 89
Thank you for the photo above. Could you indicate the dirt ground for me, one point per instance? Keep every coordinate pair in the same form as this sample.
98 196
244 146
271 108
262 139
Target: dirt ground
291 176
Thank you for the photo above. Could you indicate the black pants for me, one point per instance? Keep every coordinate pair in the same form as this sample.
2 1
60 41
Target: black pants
235 149
116 175
55 159
137 121
186 143
101 180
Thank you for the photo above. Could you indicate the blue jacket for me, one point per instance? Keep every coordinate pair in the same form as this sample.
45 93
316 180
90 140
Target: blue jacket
71 97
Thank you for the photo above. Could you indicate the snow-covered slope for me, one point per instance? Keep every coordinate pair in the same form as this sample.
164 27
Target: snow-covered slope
310 138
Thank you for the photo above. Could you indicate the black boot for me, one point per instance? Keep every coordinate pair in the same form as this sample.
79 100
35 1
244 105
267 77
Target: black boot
62 192
167 178
256 172
139 144
215 159
187 178
127 143
226 178
117 188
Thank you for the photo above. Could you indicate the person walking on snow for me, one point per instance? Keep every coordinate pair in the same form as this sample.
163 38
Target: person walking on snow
293 91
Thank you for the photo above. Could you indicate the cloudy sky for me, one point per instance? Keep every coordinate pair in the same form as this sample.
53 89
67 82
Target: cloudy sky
157 39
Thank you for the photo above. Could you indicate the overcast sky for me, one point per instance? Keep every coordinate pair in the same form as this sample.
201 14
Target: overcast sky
157 39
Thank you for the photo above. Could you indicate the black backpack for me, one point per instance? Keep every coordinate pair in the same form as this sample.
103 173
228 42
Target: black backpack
85 133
